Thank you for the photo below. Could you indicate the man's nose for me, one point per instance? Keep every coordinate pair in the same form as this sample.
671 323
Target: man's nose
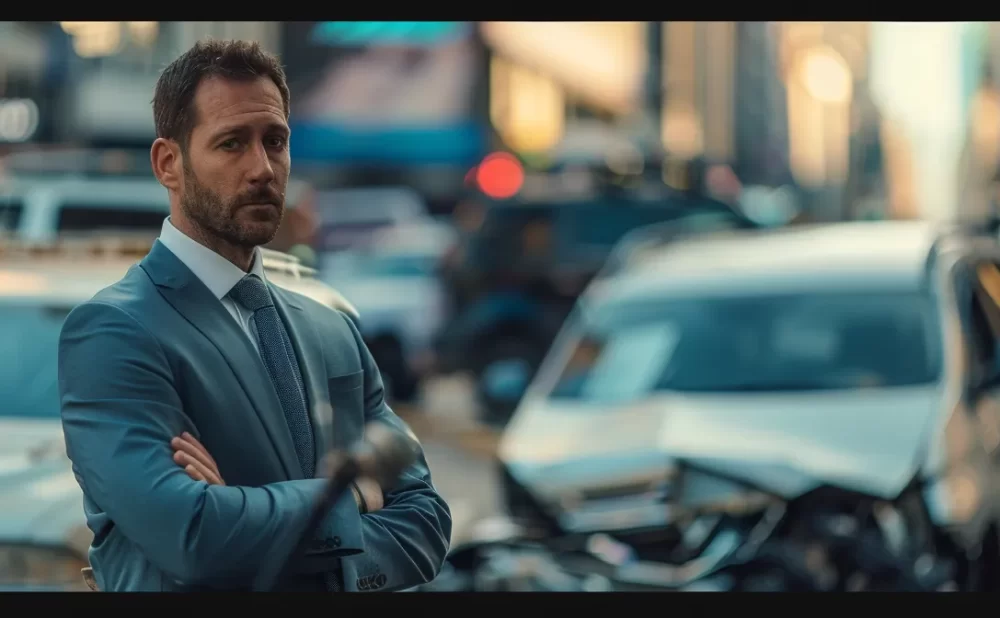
261 170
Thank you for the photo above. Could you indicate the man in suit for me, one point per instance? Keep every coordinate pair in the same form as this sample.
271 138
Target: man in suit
193 367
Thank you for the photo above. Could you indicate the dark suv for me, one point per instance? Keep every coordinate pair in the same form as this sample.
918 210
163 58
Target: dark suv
520 273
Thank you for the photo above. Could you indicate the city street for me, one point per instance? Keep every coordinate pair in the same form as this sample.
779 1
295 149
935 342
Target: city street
459 451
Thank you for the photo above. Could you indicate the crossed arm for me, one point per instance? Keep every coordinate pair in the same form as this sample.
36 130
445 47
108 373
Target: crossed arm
119 417
199 464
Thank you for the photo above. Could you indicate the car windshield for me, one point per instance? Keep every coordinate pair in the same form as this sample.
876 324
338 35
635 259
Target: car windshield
29 346
819 341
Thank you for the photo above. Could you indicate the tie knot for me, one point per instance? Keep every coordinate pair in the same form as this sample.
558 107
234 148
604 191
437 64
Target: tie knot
252 293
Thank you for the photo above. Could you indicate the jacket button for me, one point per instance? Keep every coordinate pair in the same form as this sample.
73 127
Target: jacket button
336 541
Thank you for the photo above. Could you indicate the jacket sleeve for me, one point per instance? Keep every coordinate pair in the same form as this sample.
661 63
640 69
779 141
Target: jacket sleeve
406 541
120 410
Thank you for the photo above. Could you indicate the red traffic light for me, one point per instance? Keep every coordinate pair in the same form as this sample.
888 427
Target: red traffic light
500 175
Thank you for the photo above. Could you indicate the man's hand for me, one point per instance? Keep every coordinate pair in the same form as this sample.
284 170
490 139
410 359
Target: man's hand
194 458
370 491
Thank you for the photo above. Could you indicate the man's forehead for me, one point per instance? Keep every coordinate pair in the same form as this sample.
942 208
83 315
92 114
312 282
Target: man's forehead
217 98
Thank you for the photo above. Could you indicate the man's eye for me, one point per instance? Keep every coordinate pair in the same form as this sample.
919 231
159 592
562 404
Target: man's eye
276 142
230 144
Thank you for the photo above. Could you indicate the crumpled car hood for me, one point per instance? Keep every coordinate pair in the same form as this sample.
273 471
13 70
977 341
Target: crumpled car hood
866 440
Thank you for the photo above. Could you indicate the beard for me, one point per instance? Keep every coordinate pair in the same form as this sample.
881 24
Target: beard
230 221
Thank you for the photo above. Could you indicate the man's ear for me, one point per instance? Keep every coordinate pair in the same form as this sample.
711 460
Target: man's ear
165 157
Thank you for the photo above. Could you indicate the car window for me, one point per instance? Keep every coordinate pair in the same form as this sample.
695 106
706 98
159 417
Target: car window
359 205
29 346
646 348
819 341
78 217
10 213
507 233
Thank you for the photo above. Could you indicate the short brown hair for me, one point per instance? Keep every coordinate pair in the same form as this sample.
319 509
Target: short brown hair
173 100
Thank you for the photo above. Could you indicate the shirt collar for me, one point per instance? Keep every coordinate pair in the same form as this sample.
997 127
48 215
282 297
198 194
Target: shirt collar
217 273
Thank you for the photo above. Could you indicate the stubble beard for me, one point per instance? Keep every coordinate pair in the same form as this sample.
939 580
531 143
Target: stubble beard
216 219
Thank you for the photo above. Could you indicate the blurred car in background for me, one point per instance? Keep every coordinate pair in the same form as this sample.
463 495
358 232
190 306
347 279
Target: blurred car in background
43 535
848 371
349 217
394 283
514 280
44 208
45 193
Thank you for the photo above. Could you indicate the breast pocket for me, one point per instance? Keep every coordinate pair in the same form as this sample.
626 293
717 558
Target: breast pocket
347 401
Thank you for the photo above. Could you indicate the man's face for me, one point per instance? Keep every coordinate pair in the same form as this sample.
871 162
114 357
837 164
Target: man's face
236 164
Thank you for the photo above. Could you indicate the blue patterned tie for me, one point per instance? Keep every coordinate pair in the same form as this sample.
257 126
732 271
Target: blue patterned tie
279 358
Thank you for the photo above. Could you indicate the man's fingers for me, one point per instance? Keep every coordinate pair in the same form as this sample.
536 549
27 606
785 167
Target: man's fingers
193 473
187 437
196 469
184 446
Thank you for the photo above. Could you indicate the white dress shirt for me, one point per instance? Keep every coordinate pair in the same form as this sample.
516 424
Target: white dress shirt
217 273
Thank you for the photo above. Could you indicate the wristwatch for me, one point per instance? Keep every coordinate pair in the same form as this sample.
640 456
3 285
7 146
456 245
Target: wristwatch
360 496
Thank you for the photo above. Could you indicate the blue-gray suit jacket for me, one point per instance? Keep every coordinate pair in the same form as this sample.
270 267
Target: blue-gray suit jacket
157 354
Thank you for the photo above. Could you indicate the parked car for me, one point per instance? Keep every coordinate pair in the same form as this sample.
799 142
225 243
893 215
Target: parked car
394 283
47 194
349 217
792 379
40 209
44 539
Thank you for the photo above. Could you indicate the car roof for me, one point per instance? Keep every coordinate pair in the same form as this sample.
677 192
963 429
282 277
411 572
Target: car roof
136 192
357 204
852 255
423 237
67 277
94 162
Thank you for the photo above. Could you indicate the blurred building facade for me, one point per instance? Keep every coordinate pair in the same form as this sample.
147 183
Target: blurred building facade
567 92
981 172
783 104
90 83
32 71
114 69
927 81
421 103
387 103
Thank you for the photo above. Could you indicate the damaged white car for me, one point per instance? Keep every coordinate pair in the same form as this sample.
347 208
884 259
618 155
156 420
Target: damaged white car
814 408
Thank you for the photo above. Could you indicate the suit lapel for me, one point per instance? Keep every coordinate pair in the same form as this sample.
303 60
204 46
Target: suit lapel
305 340
189 296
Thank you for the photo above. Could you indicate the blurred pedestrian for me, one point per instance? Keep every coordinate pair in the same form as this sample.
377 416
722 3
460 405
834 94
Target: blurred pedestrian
197 398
